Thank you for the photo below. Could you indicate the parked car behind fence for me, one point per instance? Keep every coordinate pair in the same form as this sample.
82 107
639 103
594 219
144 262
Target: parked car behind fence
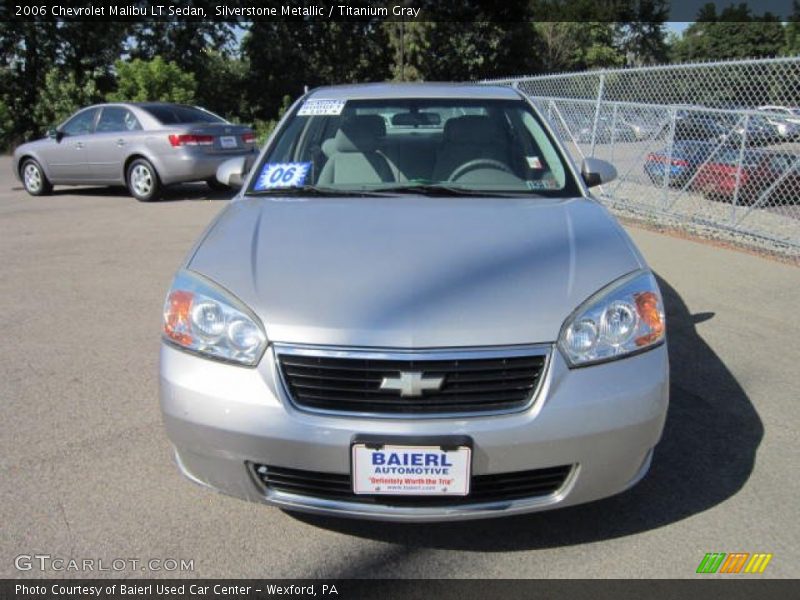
773 175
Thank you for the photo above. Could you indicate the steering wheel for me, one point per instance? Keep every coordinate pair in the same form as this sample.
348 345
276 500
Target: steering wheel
476 164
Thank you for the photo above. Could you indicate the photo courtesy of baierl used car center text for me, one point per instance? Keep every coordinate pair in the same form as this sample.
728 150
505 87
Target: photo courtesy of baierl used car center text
411 299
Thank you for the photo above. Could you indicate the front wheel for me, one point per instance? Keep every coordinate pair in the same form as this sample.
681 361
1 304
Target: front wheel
34 179
143 181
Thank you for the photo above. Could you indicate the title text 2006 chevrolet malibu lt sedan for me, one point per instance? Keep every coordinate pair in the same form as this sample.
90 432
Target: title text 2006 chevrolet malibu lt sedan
414 311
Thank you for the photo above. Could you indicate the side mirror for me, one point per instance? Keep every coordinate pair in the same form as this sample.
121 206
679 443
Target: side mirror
232 172
597 172
54 134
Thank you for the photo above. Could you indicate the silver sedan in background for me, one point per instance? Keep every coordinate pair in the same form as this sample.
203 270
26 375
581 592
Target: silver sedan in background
143 146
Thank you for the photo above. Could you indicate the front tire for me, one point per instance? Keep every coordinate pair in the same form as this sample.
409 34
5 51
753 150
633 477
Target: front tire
34 180
143 181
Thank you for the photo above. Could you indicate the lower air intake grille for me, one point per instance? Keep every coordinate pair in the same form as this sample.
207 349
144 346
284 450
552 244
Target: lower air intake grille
483 488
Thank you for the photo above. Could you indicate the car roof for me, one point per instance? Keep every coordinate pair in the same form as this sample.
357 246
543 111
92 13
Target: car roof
389 91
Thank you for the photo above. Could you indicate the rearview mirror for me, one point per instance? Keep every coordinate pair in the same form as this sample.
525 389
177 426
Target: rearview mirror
233 171
597 172
416 119
54 134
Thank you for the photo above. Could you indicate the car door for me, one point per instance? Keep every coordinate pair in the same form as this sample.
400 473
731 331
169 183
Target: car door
110 143
66 155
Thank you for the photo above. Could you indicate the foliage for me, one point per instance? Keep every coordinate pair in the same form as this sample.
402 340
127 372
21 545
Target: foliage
152 80
182 42
27 51
6 124
264 128
573 46
220 83
287 56
246 71
60 96
734 33
492 43
792 46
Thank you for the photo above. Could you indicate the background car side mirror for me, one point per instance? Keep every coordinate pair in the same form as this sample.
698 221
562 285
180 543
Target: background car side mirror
597 172
233 171
54 134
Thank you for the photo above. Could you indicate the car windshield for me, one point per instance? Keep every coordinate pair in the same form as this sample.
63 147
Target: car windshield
429 146
178 114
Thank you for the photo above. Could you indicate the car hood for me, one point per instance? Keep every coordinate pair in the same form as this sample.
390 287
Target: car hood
414 272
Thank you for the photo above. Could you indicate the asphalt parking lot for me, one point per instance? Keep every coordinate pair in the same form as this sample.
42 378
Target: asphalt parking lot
87 470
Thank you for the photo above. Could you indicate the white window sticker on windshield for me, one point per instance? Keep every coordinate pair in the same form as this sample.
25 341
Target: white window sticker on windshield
321 107
282 175
534 162
546 183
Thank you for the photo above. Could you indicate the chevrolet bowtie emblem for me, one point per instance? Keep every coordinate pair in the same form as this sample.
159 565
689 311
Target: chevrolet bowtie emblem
411 383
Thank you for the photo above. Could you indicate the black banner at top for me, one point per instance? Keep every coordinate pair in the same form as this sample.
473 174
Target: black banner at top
406 10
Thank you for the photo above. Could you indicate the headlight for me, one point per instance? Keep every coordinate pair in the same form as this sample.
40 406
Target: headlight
202 317
623 318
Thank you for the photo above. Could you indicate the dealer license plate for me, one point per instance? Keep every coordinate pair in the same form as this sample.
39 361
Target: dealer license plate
411 470
228 141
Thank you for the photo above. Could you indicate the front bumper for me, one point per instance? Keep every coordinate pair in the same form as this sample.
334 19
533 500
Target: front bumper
604 420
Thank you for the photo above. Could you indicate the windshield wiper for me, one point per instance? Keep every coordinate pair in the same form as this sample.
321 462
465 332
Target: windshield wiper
453 191
313 190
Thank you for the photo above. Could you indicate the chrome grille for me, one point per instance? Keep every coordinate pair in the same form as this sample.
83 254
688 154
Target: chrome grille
480 381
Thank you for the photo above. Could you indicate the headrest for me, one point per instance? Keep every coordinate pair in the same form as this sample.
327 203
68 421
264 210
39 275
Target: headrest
361 133
328 147
471 129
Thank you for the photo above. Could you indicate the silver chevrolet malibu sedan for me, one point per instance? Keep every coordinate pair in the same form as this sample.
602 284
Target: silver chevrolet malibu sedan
143 146
414 310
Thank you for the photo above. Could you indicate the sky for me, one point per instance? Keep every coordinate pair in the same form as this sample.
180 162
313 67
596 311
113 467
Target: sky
677 26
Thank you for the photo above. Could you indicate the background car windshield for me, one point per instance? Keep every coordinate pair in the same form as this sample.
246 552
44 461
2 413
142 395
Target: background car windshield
481 145
177 114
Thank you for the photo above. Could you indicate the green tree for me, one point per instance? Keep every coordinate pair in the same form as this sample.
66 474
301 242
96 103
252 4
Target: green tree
286 56
88 50
585 34
61 95
734 33
28 50
574 46
486 43
792 46
642 35
152 80
181 41
462 51
219 82
6 126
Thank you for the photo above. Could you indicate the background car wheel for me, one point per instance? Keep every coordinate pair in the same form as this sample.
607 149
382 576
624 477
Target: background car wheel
34 179
143 182
216 185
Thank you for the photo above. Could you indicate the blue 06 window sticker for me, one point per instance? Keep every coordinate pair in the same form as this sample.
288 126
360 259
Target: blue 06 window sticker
282 175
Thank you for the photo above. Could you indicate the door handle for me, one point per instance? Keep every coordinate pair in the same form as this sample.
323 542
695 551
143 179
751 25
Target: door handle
120 143
79 145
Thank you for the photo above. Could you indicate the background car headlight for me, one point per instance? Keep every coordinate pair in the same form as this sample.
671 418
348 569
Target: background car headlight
204 318
623 318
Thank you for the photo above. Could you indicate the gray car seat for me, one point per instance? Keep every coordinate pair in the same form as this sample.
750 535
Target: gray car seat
466 139
354 156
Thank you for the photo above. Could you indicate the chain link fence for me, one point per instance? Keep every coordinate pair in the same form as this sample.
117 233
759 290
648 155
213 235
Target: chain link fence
712 148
